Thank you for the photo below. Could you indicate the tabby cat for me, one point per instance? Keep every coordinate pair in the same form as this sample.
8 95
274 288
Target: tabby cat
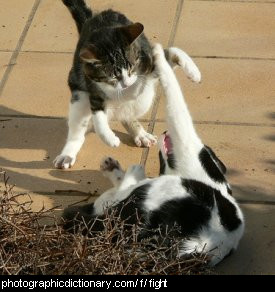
111 78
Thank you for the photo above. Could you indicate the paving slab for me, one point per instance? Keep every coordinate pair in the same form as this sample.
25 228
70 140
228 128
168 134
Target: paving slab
38 86
53 29
227 28
28 147
4 62
237 91
13 17
256 252
248 153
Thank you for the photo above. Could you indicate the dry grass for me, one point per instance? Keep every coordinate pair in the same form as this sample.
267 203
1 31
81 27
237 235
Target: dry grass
29 247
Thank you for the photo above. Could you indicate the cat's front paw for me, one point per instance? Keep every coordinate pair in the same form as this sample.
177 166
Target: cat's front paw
64 162
145 140
111 140
193 72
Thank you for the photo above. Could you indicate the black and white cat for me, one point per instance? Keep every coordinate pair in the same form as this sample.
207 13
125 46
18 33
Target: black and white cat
191 191
111 78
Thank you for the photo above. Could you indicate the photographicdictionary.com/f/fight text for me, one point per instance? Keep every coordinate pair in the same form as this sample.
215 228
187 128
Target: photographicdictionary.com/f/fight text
81 283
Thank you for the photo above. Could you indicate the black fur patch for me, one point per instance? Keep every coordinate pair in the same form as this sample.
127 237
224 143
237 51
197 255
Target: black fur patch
229 190
227 212
171 161
187 213
207 196
217 160
211 168
75 217
97 102
130 209
202 192
162 164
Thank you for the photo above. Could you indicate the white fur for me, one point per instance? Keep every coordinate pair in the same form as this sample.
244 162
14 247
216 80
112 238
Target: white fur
124 104
79 117
163 189
100 121
133 177
212 238
180 58
127 80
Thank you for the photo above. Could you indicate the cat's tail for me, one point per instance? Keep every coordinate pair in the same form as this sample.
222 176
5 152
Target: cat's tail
79 11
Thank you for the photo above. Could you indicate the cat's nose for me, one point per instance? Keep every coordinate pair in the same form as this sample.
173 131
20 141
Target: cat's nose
123 84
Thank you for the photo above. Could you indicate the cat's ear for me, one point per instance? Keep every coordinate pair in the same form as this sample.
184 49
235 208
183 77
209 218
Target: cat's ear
89 54
132 31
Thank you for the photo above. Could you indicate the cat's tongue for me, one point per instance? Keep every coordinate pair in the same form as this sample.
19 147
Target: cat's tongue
167 144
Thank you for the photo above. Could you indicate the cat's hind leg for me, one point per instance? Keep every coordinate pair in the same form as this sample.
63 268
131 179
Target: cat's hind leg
133 175
112 170
122 181
79 117
140 136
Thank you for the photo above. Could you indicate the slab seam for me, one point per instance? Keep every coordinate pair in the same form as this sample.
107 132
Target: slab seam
211 123
18 46
171 40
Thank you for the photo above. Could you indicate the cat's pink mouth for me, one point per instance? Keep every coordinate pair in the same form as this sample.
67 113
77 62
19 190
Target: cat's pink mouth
167 144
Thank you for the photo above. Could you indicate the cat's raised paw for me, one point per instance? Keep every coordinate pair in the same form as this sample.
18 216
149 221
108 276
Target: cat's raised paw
63 162
145 140
109 164
180 58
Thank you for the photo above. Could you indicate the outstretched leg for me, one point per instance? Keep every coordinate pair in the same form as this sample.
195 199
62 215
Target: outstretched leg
186 144
79 117
177 57
122 182
112 170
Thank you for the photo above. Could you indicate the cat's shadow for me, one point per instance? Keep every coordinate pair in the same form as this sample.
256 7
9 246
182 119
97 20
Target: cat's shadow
28 147
125 138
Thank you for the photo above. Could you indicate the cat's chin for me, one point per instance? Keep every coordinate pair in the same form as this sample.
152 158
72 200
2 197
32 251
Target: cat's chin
121 87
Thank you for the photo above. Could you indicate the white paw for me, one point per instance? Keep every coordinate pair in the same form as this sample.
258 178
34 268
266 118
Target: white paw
192 72
109 164
64 162
180 58
136 171
112 140
145 140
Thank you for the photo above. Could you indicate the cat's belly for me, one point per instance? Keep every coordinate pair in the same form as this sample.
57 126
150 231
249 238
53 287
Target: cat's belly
134 103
